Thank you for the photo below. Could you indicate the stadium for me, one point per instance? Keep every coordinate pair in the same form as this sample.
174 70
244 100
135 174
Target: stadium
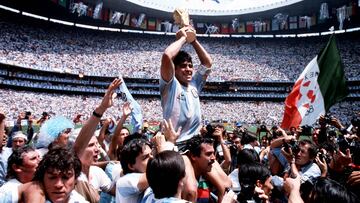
291 64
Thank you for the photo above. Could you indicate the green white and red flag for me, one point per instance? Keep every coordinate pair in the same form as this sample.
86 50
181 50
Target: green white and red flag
319 86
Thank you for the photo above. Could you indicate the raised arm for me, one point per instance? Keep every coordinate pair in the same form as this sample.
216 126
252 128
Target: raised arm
167 69
87 131
204 57
114 140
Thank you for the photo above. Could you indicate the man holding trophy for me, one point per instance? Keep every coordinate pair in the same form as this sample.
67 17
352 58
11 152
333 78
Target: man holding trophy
180 86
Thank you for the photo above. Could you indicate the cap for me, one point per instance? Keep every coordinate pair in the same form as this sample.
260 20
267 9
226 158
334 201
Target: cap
238 124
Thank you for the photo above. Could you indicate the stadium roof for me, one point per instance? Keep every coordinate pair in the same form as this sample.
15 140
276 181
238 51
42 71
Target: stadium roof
214 7
225 11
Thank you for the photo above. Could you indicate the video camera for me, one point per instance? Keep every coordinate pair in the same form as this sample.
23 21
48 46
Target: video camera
293 145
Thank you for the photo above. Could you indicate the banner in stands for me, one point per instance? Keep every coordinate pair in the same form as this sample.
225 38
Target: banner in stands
274 25
127 19
249 26
105 14
151 24
293 22
225 28
241 28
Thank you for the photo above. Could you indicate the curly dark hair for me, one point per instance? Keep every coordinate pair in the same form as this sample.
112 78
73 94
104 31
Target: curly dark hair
130 151
59 158
194 144
181 57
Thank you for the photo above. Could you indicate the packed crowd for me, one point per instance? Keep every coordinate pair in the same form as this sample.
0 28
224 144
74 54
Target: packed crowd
249 112
106 163
132 55
187 160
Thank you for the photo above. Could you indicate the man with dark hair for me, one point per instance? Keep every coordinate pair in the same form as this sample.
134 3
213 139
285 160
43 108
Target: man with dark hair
18 140
134 157
202 158
22 165
165 174
58 171
180 87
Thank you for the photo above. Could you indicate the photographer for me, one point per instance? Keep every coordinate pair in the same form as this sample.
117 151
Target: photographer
23 119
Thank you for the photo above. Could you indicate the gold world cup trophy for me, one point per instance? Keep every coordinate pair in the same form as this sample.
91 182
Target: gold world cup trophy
181 18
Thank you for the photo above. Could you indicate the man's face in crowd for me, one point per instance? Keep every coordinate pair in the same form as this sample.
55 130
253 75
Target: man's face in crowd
267 186
18 142
31 160
142 160
184 72
302 157
59 184
63 138
206 158
123 134
237 142
90 155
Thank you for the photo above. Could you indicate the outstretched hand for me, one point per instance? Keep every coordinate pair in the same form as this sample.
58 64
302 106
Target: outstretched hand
110 94
340 160
126 109
170 134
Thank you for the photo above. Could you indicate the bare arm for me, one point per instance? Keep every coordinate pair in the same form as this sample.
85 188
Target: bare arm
167 69
101 136
87 131
114 140
204 57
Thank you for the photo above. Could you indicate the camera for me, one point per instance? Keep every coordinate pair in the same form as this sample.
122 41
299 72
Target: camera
323 156
306 130
263 128
293 145
328 118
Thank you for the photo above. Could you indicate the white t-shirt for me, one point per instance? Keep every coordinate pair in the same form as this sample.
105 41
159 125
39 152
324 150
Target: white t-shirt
98 179
9 192
127 190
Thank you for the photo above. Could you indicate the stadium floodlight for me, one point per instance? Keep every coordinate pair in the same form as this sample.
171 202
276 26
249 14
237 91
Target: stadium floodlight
308 34
154 32
86 26
327 33
285 36
61 22
9 9
34 16
110 29
132 31
219 35
353 29
245 36
339 31
263 36
202 35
